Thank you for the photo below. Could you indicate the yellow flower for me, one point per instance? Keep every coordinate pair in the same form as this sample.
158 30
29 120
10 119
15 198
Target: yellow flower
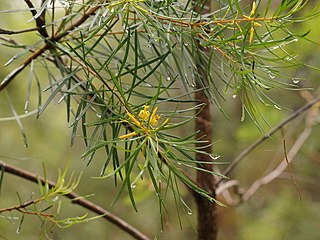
144 114
133 118
154 117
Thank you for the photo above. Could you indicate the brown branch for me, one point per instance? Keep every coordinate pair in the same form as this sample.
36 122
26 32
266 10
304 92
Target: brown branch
40 20
77 199
11 32
294 115
22 208
23 205
47 46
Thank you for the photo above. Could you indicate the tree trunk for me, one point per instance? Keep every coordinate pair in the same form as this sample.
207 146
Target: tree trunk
207 216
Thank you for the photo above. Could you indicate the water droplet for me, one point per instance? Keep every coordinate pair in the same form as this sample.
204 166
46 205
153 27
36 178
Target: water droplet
179 163
146 84
243 116
186 44
149 46
234 95
272 75
277 107
295 80
168 78
215 157
133 185
189 212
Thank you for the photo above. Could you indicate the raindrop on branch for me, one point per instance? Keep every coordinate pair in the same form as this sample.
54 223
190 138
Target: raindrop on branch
272 75
295 80
277 107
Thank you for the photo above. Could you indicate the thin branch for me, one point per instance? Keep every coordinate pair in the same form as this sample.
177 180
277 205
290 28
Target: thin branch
280 169
77 199
11 32
48 45
294 115
40 20
285 162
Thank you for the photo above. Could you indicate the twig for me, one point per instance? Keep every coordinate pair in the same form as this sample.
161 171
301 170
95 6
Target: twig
285 162
11 32
48 45
289 168
40 20
77 199
294 115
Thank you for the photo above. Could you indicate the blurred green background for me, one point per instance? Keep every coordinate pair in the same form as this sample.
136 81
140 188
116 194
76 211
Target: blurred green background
275 212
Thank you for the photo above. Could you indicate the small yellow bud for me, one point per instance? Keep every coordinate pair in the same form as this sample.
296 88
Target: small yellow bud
128 135
251 35
135 121
256 24
253 9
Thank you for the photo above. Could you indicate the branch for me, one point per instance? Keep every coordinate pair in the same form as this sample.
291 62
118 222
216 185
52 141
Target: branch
77 199
286 162
294 115
281 167
40 20
47 46
11 32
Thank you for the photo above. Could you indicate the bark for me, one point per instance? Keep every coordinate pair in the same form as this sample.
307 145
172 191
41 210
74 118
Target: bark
207 216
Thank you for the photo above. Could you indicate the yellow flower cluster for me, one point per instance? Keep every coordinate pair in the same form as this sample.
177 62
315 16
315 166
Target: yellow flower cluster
145 117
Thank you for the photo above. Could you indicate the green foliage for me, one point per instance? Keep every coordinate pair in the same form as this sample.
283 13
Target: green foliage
115 59
47 206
